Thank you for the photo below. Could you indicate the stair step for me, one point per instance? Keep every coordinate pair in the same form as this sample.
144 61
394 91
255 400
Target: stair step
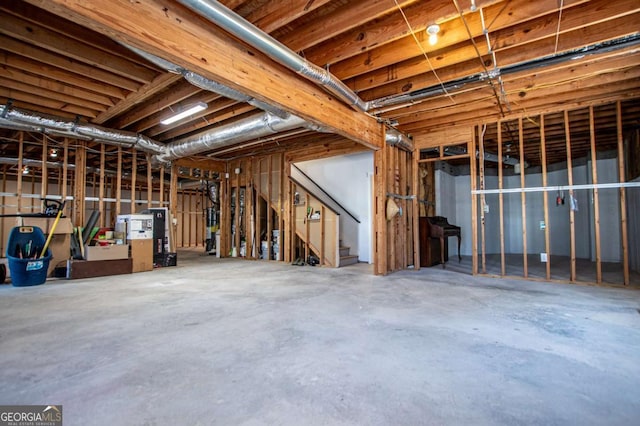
348 260
344 251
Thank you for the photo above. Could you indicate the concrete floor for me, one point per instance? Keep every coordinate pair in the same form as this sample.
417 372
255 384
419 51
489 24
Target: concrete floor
239 342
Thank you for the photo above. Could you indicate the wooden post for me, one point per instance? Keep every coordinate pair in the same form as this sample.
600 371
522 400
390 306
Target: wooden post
572 227
173 205
236 220
545 195
289 237
80 184
134 178
161 186
119 183
249 209
282 201
416 208
596 204
65 169
269 209
150 185
380 188
623 202
503 267
44 186
474 207
101 183
523 199
20 167
482 199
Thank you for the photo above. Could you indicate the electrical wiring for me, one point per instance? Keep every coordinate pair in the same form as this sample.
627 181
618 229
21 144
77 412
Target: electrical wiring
424 53
558 30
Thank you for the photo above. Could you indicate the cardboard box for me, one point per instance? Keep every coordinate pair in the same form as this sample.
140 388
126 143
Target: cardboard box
46 223
142 255
60 244
112 252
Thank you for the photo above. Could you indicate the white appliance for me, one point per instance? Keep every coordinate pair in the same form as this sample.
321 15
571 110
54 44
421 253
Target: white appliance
139 226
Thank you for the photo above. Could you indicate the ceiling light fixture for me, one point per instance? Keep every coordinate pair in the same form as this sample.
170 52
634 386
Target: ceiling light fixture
53 153
473 6
433 31
200 106
25 170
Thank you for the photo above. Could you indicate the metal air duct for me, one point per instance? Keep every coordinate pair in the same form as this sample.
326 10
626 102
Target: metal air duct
247 32
256 126
20 119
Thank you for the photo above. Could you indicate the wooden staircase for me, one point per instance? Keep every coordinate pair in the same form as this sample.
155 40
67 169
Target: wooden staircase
346 259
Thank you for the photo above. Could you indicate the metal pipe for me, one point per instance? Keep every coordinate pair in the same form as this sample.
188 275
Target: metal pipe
20 119
247 32
253 127
399 101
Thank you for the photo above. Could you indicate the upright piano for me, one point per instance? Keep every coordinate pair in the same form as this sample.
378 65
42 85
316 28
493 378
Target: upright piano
438 228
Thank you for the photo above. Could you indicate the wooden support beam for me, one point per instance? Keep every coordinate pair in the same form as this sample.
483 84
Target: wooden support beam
44 184
150 183
173 208
572 227
380 221
80 183
20 169
161 186
596 202
102 185
65 168
503 266
545 196
474 206
523 200
482 200
119 183
415 189
623 202
134 178
207 50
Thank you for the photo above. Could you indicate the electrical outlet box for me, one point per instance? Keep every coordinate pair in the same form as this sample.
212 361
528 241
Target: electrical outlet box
543 257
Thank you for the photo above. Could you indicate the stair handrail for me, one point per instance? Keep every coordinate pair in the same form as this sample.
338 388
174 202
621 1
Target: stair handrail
324 192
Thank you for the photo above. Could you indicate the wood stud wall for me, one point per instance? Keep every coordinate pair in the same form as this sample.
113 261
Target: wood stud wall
477 176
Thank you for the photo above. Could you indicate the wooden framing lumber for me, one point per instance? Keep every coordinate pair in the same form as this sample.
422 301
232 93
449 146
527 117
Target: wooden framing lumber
572 226
596 203
623 200
208 51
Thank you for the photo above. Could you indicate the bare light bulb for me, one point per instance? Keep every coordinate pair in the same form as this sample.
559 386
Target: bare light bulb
433 30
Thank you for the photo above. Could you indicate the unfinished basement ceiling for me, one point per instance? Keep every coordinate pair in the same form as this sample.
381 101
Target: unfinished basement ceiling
503 59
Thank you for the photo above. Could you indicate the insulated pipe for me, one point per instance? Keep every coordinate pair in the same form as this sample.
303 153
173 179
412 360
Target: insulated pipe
253 127
247 32
28 120
395 138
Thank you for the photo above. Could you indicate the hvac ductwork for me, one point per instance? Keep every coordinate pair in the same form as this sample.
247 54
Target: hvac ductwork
206 84
27 120
253 127
245 31
395 138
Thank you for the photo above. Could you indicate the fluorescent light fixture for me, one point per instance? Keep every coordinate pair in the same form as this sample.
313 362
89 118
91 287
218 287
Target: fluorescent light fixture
433 31
200 106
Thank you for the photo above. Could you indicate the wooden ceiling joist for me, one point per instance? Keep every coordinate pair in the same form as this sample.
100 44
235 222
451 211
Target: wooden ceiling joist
207 51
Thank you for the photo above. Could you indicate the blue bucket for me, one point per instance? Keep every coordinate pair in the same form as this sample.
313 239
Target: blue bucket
23 250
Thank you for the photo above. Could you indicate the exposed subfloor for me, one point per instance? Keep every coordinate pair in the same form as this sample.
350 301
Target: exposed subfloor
251 342
560 268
